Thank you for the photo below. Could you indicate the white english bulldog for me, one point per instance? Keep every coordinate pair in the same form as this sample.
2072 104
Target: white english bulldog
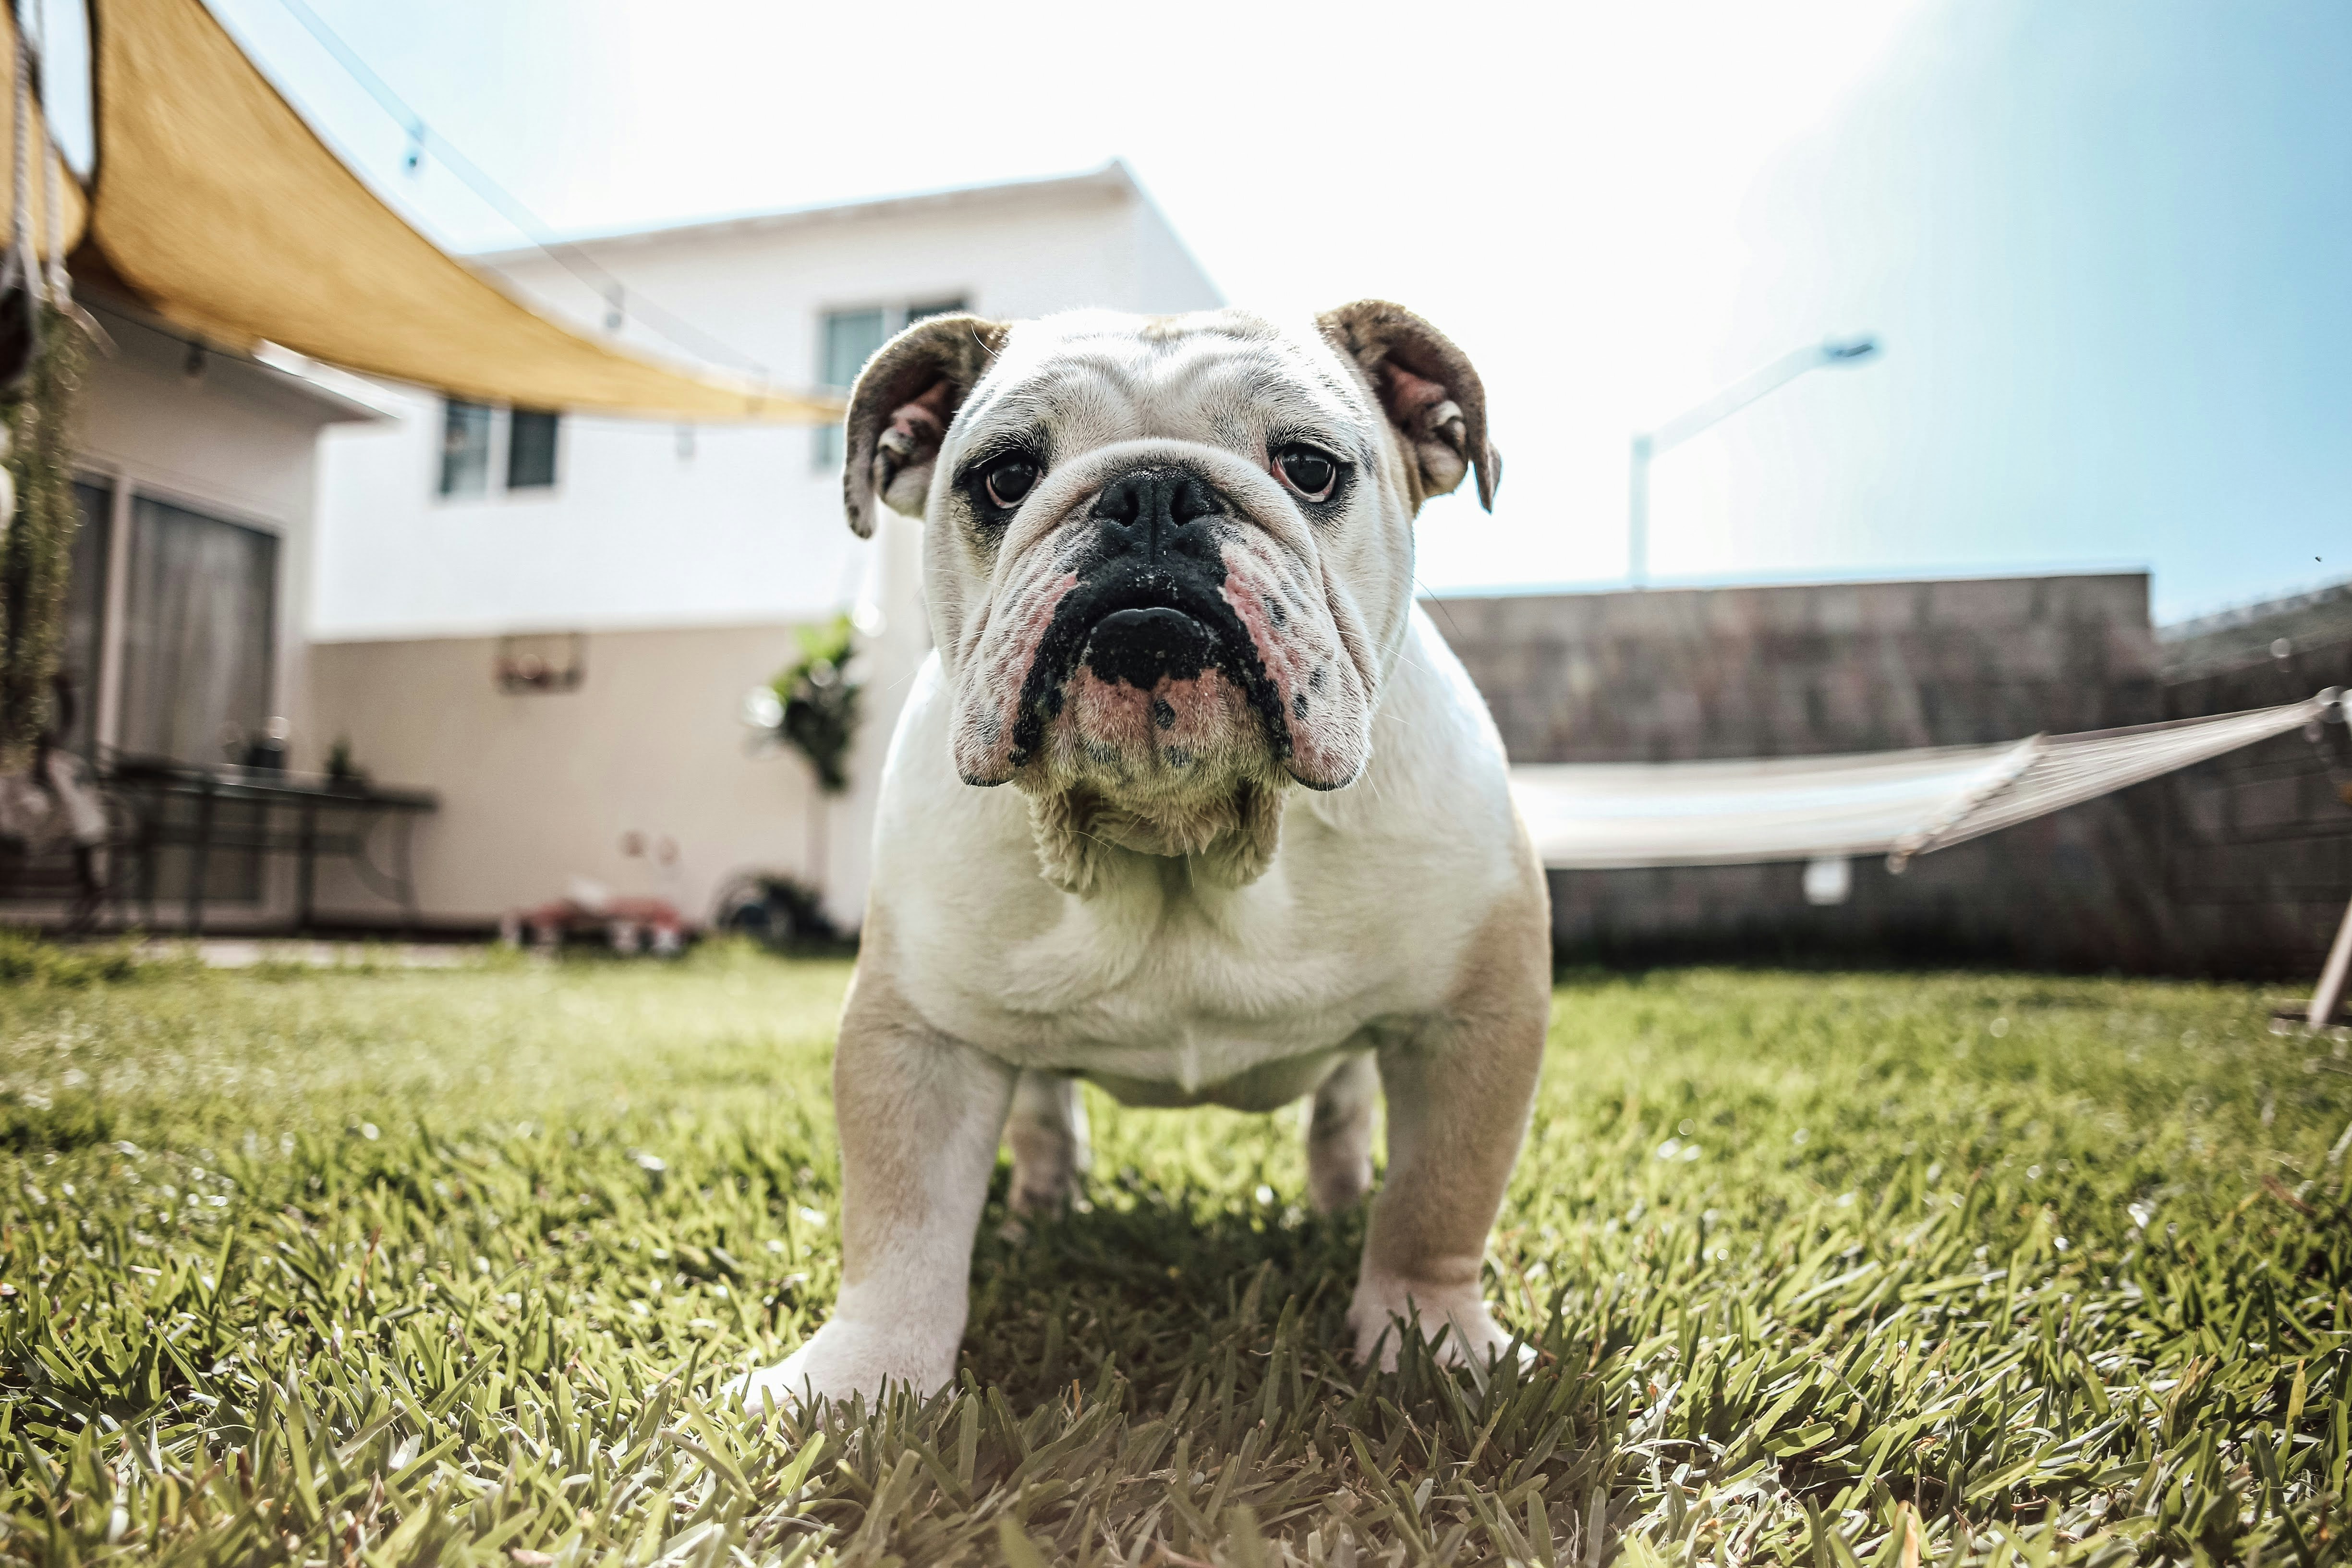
1258 844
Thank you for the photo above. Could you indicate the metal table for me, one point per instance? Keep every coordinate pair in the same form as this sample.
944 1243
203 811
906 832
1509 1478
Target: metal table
330 816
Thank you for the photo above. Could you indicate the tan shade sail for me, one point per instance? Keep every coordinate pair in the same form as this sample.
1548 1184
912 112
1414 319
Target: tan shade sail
221 209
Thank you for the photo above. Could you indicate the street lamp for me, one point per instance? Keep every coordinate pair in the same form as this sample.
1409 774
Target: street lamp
1722 405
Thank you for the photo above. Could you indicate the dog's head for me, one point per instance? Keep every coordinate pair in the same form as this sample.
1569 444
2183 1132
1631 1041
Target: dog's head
1169 559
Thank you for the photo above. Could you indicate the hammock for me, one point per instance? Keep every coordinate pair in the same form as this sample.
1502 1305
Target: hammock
1598 816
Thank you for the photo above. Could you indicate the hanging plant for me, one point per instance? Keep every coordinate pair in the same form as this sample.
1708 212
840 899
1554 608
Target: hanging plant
816 710
37 547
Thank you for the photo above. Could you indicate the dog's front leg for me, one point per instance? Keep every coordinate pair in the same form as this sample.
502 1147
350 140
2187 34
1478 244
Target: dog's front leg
1458 1096
920 1115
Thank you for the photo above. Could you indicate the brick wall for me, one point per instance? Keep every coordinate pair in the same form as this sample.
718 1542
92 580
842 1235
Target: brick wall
2257 845
1682 674
1674 674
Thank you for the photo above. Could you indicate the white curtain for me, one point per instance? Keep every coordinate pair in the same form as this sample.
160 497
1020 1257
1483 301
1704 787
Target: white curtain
199 633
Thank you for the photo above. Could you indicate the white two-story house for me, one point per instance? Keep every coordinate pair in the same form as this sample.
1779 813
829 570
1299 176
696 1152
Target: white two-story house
554 621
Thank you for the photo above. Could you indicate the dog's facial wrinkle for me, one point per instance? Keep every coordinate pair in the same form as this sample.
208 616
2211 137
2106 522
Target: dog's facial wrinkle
1116 573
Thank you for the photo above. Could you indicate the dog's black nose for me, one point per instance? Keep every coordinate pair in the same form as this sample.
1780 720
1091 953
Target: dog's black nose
1152 510
1141 646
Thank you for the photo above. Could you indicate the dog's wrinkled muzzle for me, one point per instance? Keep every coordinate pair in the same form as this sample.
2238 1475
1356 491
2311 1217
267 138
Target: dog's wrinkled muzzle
1161 631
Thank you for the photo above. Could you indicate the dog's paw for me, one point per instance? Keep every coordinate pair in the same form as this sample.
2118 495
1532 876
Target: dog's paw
1339 1174
1385 1310
841 1361
1046 1188
1047 1130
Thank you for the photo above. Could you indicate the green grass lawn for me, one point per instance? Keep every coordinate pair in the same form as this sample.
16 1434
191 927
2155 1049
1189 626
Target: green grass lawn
447 1267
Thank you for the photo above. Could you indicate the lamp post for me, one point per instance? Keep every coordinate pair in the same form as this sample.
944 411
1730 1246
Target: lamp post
1648 443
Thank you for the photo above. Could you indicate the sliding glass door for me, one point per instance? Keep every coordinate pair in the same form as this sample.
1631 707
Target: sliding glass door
199 641
199 635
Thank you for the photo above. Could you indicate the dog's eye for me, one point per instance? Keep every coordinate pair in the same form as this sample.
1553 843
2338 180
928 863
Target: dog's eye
1308 470
1009 480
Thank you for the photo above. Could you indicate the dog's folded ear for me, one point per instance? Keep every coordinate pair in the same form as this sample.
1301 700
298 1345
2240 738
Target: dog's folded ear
899 412
1433 396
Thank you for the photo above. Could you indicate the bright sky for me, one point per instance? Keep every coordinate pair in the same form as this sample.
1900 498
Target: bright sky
2106 243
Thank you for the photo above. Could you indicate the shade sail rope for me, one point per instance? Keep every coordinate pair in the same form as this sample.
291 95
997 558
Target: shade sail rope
1903 805
60 225
56 286
20 222
61 289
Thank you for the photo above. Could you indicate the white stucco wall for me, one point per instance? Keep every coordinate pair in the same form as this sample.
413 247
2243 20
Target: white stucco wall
747 528
539 788
687 572
232 442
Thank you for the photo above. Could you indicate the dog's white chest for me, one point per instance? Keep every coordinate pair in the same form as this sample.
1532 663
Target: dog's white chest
1362 922
1144 984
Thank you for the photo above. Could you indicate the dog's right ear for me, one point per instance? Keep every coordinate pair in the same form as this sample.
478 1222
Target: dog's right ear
1433 396
899 412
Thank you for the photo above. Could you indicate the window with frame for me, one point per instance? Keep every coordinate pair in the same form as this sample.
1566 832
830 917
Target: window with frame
530 450
849 340
474 437
465 448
